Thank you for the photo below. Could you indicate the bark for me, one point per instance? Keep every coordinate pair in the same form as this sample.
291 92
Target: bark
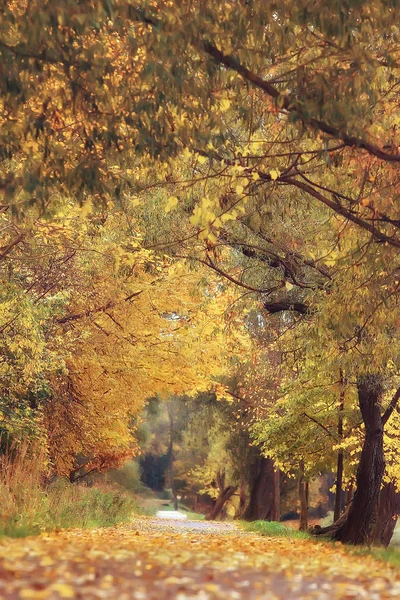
359 525
358 521
338 487
339 468
220 502
303 497
260 506
242 500
171 458
388 511
331 530
276 507
349 495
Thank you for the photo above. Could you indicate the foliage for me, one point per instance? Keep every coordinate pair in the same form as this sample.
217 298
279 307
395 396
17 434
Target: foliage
179 178
110 326
30 507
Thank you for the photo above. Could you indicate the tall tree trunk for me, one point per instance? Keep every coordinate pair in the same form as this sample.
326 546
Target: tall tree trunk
338 486
171 458
261 499
388 511
242 499
220 502
303 497
276 506
339 468
349 495
360 522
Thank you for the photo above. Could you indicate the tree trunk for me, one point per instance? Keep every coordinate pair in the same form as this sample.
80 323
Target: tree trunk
349 495
171 458
276 506
220 502
360 522
260 506
338 487
388 511
303 497
242 500
339 468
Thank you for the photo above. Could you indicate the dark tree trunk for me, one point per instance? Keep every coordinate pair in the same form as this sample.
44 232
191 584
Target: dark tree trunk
276 507
242 499
388 511
357 527
339 468
171 459
349 495
331 530
360 523
303 497
338 487
260 506
220 502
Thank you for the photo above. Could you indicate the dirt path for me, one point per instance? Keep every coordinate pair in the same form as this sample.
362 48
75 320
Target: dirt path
152 559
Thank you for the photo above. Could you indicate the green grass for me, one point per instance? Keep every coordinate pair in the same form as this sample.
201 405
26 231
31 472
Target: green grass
274 529
63 505
387 555
28 507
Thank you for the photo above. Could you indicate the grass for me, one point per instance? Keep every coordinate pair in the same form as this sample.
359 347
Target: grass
28 507
275 529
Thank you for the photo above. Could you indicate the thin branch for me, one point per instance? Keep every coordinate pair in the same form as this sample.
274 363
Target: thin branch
392 406
291 104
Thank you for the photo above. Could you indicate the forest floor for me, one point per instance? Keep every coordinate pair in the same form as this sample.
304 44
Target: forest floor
154 559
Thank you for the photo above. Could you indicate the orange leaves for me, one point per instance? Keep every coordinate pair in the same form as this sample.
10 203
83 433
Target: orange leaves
151 559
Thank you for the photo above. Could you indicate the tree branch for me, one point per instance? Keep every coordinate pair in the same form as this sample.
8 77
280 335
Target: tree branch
392 405
276 307
291 105
93 311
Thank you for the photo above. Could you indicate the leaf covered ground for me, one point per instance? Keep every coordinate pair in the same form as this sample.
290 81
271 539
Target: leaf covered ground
150 559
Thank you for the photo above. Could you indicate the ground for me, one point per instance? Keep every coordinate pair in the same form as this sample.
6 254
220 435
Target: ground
153 559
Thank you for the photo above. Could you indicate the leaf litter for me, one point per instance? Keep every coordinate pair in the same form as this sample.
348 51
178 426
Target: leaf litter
152 559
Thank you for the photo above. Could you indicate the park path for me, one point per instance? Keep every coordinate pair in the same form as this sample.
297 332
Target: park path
154 559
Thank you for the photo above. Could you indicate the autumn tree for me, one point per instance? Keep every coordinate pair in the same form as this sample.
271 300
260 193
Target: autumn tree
274 114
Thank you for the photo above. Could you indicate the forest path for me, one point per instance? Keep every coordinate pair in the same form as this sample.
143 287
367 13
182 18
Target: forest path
154 559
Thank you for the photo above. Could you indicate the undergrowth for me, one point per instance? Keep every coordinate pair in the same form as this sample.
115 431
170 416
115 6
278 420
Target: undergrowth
28 507
274 529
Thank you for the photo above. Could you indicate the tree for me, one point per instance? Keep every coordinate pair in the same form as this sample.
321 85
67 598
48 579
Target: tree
279 113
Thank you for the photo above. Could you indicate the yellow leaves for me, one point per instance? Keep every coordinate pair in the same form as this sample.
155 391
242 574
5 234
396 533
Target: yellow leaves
172 203
64 590
224 104
177 561
274 174
86 208
202 159
135 201
239 189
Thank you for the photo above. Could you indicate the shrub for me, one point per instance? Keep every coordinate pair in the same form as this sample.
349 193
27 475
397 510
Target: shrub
28 506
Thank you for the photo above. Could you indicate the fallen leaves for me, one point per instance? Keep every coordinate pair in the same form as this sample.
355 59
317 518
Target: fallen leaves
151 559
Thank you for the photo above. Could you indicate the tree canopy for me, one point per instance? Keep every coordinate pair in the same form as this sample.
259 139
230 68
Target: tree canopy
190 186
